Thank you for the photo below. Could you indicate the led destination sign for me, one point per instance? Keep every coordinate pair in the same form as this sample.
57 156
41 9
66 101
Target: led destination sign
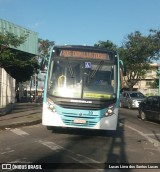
84 54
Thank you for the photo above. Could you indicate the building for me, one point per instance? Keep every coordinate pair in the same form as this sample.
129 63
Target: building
7 91
7 83
146 85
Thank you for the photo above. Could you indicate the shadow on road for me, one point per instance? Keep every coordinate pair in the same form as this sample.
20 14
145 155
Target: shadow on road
113 143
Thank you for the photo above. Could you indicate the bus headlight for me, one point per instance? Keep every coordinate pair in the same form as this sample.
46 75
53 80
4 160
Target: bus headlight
51 105
109 111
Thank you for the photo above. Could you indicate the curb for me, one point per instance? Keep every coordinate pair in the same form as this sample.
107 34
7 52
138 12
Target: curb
5 110
20 124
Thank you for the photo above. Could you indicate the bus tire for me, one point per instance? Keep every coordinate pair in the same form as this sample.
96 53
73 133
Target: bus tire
49 128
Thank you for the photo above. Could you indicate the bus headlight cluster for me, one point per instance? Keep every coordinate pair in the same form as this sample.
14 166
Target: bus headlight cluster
51 105
109 111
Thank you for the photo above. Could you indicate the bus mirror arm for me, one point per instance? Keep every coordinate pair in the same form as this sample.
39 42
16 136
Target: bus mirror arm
124 71
123 68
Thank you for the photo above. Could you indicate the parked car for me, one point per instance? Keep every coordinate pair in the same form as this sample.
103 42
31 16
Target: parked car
149 108
131 99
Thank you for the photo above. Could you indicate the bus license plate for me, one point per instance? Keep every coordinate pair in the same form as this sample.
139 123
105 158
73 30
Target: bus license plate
79 121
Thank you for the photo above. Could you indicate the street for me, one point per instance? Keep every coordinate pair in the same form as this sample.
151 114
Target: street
135 141
148 128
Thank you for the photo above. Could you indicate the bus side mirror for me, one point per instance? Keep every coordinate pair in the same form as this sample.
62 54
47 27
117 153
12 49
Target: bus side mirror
121 79
122 67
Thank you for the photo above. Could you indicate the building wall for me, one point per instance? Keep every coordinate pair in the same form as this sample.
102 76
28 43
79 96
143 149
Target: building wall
7 91
150 77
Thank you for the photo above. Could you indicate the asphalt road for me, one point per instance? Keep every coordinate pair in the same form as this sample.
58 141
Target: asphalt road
150 129
132 143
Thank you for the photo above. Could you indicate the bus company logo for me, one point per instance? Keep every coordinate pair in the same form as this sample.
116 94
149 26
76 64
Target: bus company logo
80 114
80 101
6 167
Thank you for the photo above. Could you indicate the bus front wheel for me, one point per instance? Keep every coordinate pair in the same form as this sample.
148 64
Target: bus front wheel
49 128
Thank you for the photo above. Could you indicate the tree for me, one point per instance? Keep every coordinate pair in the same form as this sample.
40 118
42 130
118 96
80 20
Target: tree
137 52
154 84
43 50
106 44
155 37
19 65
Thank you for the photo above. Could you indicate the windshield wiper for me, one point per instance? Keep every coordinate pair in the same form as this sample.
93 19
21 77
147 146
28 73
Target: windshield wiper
97 69
70 70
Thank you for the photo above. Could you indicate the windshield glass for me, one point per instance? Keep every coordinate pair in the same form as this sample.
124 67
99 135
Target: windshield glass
82 79
137 95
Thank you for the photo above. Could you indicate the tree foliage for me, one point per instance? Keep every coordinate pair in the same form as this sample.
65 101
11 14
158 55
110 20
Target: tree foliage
43 50
154 84
106 44
19 65
155 37
137 52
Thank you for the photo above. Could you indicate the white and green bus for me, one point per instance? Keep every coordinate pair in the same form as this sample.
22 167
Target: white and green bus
82 88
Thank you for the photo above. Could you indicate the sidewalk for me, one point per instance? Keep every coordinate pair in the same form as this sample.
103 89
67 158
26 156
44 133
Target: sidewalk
22 114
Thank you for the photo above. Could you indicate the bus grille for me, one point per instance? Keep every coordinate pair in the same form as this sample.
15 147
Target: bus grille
84 106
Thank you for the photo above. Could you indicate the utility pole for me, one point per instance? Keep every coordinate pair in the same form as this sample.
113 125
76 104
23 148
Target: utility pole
30 88
35 86
36 83
158 72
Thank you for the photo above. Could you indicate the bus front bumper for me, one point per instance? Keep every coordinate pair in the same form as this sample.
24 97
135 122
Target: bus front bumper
54 119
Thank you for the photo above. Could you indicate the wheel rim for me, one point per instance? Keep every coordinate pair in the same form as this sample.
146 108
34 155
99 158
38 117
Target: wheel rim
143 116
129 106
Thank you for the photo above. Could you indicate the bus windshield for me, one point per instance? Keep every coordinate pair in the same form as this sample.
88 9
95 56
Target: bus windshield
88 79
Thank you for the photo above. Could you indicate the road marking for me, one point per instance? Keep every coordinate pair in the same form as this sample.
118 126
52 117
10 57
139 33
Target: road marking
9 151
80 158
21 161
156 134
19 132
50 145
77 157
151 140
